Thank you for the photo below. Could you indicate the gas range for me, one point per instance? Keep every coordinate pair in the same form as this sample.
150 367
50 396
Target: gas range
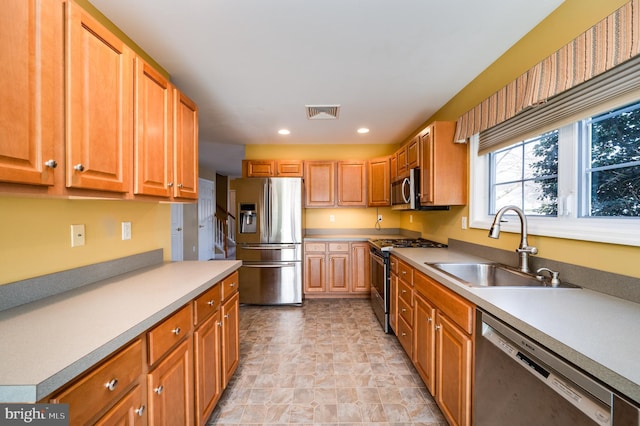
387 244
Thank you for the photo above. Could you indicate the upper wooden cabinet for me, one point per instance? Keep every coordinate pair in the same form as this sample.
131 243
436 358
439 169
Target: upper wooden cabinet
153 143
31 111
99 105
405 159
185 171
320 183
352 183
379 182
413 153
443 177
272 168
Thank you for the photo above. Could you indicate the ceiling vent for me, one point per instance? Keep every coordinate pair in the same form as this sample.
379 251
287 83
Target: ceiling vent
322 112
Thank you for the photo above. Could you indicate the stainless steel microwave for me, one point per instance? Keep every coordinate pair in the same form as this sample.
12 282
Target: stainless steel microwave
405 194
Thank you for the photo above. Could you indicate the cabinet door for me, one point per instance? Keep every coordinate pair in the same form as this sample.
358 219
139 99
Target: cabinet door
425 341
393 167
260 168
454 368
170 389
208 367
290 168
185 175
129 411
320 183
427 172
314 272
379 182
31 110
153 143
338 273
393 302
99 84
352 183
230 337
360 281
413 153
401 156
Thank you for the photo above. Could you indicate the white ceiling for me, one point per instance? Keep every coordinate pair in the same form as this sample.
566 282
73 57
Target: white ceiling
253 65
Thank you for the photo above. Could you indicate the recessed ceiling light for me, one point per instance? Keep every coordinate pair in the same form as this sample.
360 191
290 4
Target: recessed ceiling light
283 132
363 130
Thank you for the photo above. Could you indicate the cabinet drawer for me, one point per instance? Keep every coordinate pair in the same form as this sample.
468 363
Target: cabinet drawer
405 336
207 303
315 247
405 293
405 311
338 247
229 285
393 262
455 307
405 272
103 386
168 333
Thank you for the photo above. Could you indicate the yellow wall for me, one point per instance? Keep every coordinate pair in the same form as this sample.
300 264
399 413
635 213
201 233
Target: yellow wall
35 233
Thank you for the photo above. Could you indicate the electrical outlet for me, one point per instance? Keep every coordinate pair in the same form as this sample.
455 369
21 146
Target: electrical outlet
77 235
464 222
410 218
379 218
332 218
126 231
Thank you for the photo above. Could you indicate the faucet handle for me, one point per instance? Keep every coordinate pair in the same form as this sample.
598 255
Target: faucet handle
555 280
527 249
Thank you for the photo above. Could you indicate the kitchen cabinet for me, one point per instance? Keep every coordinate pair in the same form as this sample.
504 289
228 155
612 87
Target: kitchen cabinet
320 184
272 168
31 111
105 387
413 153
404 305
379 182
185 172
443 177
230 337
352 184
402 169
443 353
129 411
407 157
393 294
154 137
393 168
336 269
99 84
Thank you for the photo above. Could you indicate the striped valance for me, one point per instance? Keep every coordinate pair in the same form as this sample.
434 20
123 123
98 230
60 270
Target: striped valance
610 42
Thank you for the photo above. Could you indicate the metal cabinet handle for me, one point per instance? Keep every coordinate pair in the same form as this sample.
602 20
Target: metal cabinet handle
211 302
52 164
219 323
404 334
180 185
404 272
226 315
159 389
78 167
404 291
438 327
232 285
429 319
170 184
140 410
176 331
111 384
404 310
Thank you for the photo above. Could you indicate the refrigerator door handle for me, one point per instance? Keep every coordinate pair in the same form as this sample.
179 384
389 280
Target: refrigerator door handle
285 247
268 265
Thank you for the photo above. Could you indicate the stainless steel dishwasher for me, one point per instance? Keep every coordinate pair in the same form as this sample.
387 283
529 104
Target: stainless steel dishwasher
519 382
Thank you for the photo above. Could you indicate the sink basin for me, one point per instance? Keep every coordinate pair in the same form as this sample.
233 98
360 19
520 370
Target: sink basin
491 275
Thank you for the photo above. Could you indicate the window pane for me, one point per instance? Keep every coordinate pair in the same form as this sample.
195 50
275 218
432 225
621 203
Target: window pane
616 192
541 156
510 193
541 197
615 137
508 164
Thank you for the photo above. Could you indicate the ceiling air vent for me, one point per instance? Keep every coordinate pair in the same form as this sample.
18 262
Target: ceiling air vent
322 112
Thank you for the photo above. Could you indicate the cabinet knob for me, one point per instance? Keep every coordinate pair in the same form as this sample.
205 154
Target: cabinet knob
226 315
159 389
404 334
180 185
211 302
429 319
140 410
438 327
78 167
170 184
111 384
219 323
52 164
176 331
404 310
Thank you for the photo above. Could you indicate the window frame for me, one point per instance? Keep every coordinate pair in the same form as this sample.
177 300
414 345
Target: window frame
568 224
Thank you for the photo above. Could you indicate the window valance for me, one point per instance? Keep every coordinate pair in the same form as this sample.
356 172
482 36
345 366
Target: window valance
607 44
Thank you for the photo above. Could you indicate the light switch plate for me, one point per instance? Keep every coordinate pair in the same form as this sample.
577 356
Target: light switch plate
77 235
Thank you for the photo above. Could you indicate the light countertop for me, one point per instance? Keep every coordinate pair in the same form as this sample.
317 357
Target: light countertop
47 343
597 332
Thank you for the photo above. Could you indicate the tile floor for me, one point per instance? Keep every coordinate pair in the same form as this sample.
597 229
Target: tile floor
327 362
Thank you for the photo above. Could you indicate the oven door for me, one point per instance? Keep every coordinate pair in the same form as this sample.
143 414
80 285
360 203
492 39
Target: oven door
379 288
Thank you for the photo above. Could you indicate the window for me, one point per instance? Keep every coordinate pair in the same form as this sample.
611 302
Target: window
580 181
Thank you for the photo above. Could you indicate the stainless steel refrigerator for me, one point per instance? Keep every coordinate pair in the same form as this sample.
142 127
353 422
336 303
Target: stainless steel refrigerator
269 240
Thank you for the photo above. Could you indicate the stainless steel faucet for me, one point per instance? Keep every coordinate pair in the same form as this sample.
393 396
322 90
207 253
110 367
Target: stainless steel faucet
524 250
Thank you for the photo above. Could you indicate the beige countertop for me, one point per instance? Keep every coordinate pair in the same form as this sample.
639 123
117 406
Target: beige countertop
597 332
47 343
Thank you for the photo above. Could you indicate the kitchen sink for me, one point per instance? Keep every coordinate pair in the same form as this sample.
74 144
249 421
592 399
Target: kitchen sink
492 275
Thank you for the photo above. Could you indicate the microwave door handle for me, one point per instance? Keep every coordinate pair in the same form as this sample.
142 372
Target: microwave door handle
406 184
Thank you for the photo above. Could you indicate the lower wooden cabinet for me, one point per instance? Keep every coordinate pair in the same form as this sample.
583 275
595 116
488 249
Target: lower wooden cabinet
336 268
129 411
230 337
208 366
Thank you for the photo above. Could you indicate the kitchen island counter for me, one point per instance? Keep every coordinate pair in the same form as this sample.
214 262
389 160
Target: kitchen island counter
594 331
46 344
